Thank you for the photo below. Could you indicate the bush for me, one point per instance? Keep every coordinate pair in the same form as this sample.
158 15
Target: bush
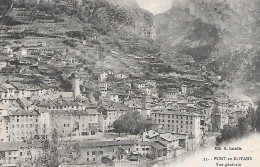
70 43
76 34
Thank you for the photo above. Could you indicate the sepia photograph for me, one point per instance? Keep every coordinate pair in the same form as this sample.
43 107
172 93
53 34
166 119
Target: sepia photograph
129 83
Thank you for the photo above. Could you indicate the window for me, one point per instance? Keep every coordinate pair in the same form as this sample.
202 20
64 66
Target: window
17 120
93 152
101 152
87 152
143 149
21 154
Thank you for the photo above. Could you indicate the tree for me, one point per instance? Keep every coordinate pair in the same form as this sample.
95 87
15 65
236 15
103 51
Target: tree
54 152
242 126
119 126
252 118
218 141
131 122
227 133
257 123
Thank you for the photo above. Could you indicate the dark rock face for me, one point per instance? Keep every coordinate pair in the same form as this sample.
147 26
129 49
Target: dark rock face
222 36
5 6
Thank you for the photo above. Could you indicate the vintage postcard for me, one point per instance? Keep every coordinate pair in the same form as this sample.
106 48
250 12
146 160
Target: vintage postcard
129 83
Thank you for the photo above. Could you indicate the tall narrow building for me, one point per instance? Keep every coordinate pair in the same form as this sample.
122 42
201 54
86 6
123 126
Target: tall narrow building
76 86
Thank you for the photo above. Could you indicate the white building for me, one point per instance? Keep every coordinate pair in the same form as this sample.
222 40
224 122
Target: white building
103 77
178 122
19 125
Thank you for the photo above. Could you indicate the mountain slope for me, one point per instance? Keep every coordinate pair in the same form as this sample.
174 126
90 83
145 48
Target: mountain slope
91 37
223 36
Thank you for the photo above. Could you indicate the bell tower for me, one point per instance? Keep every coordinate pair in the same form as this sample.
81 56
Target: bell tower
76 86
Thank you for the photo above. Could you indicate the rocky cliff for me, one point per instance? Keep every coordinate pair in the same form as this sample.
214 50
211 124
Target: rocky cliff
222 35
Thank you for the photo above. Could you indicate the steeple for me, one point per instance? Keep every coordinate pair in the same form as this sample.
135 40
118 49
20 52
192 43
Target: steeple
76 85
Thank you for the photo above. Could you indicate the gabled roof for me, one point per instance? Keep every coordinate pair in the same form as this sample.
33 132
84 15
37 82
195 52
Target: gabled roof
7 86
168 137
157 145
3 90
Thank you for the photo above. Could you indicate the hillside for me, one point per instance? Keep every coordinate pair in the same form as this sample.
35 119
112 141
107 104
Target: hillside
221 35
90 37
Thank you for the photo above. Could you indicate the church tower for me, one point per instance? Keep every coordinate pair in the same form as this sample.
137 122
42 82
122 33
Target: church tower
76 86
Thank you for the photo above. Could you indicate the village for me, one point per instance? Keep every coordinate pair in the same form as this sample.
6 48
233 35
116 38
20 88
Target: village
179 122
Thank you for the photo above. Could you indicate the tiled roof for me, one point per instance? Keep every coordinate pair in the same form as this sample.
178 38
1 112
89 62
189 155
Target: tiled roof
158 145
21 86
115 106
73 112
16 145
176 112
168 137
11 146
105 143
145 143
23 113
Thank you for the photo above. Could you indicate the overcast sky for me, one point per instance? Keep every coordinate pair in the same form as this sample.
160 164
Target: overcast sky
155 6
